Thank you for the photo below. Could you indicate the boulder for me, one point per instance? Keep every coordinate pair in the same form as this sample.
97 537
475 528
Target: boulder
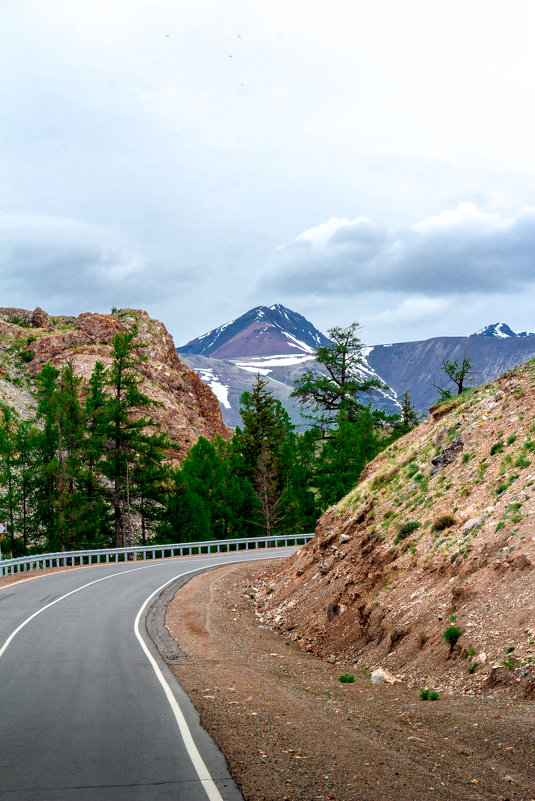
382 676
39 319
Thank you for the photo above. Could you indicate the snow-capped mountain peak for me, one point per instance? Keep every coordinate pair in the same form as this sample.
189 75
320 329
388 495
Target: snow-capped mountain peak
262 331
500 330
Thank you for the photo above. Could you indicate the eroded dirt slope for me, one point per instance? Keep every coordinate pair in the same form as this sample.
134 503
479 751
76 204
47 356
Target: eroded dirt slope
438 532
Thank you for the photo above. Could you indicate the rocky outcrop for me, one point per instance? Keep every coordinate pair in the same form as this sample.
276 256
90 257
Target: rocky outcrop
99 327
184 407
39 319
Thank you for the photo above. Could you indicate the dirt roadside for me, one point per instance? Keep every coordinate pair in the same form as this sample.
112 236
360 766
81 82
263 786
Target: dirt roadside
290 730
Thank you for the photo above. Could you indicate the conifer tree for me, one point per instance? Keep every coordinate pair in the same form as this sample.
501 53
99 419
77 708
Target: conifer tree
45 490
148 480
127 428
243 513
343 456
184 517
266 429
70 435
95 504
25 439
324 395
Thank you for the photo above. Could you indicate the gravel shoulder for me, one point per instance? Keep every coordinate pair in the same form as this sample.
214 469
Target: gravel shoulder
290 730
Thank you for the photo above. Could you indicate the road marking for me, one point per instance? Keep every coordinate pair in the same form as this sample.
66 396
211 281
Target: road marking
202 771
198 763
72 592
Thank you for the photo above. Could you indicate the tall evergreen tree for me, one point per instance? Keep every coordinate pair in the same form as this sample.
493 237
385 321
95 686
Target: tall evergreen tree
95 504
149 477
343 456
25 439
184 517
70 435
45 491
263 442
127 427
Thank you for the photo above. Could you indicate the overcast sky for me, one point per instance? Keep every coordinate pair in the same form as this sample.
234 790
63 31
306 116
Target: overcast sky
355 160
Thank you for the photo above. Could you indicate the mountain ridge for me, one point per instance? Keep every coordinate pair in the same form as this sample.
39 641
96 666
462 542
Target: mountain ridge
414 366
501 330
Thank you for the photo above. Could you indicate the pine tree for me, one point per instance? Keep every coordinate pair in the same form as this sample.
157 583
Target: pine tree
45 490
126 427
70 435
149 477
25 440
343 456
266 430
95 504
243 513
409 418
324 395
184 517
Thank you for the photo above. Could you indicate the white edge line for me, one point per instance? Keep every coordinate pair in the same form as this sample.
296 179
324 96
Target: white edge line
198 763
201 769
61 598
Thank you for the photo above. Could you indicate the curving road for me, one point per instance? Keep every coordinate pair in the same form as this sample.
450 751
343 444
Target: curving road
88 708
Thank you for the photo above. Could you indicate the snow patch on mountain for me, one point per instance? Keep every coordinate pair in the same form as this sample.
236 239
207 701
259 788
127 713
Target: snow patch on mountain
220 390
260 363
298 343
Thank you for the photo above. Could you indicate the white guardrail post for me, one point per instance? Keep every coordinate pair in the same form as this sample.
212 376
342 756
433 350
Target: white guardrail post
69 558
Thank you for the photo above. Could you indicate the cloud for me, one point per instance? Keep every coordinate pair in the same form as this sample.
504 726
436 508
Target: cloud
458 251
58 260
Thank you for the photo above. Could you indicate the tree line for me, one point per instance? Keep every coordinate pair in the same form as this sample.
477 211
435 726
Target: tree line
92 469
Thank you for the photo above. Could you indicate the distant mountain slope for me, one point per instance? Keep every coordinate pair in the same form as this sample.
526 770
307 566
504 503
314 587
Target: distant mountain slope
416 366
227 381
262 331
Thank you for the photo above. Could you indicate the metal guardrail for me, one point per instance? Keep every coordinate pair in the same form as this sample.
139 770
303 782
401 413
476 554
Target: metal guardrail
41 561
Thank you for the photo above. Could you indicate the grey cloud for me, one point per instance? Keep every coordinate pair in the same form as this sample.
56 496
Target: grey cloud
69 264
464 251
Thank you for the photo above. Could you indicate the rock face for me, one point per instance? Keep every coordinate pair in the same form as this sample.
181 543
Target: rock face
186 408
423 543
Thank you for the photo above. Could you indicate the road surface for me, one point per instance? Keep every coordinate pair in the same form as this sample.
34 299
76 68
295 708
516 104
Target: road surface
88 708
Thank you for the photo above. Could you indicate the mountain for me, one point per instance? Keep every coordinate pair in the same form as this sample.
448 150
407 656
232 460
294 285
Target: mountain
501 330
279 344
186 408
416 366
437 532
262 331
272 341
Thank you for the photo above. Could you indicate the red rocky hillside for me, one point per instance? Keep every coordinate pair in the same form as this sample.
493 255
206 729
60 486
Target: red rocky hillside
186 408
438 532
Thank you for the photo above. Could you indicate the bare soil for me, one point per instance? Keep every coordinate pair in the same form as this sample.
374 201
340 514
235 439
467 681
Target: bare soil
290 730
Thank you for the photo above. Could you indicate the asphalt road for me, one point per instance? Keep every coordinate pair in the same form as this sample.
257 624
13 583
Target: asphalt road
88 708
